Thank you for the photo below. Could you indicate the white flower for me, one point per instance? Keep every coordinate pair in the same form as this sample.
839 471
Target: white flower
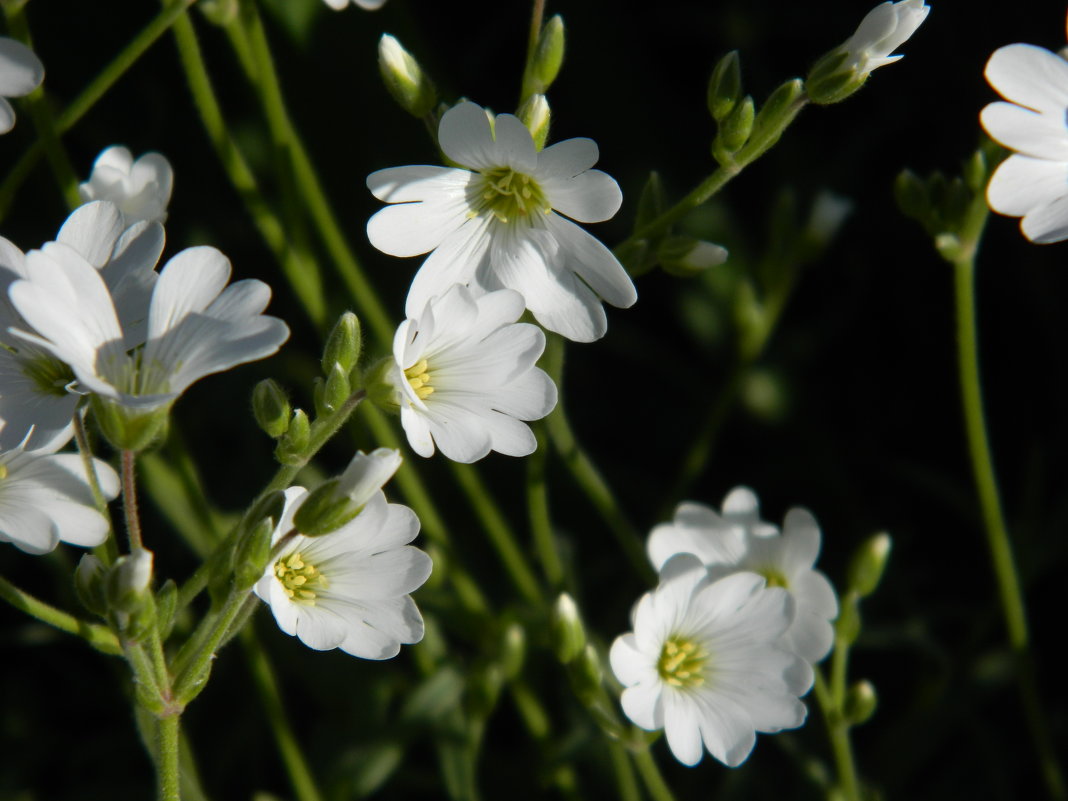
196 324
141 189
20 73
45 499
784 560
367 5
464 376
705 662
885 28
1033 182
34 384
493 224
349 589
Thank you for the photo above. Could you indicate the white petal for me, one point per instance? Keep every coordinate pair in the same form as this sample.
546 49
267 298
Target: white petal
1043 136
189 282
116 157
1047 223
726 728
564 160
455 261
7 116
464 135
682 727
418 182
1021 183
515 145
628 663
20 70
592 196
1031 76
93 230
320 627
412 228
644 704
593 262
529 397
801 541
417 429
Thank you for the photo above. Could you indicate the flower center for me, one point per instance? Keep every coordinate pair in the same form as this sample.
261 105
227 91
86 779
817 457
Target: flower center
774 578
49 375
510 195
299 578
419 379
682 662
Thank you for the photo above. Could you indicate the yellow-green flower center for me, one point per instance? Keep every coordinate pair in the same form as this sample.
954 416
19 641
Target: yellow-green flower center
299 578
775 579
49 375
3 471
418 376
682 662
509 195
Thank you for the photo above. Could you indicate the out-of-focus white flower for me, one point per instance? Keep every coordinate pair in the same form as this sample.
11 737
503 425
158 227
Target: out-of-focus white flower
141 189
20 73
465 379
1033 182
706 662
34 383
349 589
45 499
784 560
367 5
885 28
196 324
494 224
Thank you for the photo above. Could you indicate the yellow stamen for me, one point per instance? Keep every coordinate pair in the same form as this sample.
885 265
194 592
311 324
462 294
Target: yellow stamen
299 579
418 376
682 662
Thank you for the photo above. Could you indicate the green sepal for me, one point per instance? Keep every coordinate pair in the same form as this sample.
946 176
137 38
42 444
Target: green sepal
868 564
291 447
128 429
252 555
380 389
166 607
548 55
405 79
734 131
334 391
344 344
651 201
325 509
270 407
847 626
566 632
860 703
775 114
637 257
911 194
513 650
587 675
829 81
219 12
484 690
976 172
725 86
89 580
537 116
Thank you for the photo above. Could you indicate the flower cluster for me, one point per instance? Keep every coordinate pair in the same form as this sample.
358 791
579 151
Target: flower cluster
724 646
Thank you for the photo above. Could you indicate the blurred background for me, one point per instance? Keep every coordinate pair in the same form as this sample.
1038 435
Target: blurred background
851 408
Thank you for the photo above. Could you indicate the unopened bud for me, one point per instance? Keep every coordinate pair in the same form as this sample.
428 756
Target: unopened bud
869 563
404 78
566 629
685 256
860 703
549 54
847 626
336 389
513 650
295 441
780 107
737 126
587 674
270 407
89 584
725 86
535 114
344 344
252 555
128 580
651 201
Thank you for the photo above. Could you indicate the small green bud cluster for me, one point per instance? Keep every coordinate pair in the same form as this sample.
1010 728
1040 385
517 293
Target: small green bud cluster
121 593
404 78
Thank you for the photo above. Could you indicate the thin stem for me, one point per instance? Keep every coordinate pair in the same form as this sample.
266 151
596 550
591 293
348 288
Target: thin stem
838 734
89 96
500 534
167 771
626 780
586 474
536 16
263 676
129 500
997 535
650 773
190 678
302 278
538 510
108 552
99 637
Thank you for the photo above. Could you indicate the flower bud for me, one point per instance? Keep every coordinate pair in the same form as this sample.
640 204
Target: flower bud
549 55
587 674
253 553
294 442
651 202
685 256
725 86
566 630
860 703
336 389
869 562
344 344
513 650
335 502
128 429
780 107
847 626
219 12
911 194
536 115
270 407
404 78
976 172
828 213
89 584
735 129
128 580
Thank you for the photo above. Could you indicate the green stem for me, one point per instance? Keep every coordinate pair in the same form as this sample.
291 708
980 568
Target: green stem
838 734
129 500
99 637
108 552
169 737
716 181
536 16
500 534
586 473
302 278
650 773
209 636
538 510
89 96
626 780
263 676
997 535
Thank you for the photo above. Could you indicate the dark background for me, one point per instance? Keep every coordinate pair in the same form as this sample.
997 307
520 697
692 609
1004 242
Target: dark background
866 430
